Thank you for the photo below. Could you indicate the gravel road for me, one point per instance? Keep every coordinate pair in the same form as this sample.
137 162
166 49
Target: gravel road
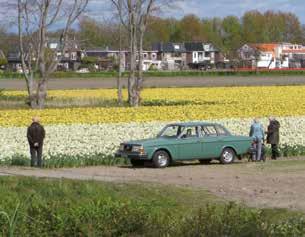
93 83
271 184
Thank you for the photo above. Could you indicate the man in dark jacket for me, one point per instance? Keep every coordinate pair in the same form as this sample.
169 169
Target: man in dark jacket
273 137
36 135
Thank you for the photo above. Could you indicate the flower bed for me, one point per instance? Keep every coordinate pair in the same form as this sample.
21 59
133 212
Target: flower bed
84 140
97 131
172 104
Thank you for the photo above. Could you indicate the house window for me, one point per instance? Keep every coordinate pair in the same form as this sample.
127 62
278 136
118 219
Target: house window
145 55
73 56
154 55
176 55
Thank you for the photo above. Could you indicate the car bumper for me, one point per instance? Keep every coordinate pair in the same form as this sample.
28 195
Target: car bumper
131 155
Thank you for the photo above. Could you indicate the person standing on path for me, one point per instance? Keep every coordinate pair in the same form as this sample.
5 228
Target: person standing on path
257 133
36 135
273 137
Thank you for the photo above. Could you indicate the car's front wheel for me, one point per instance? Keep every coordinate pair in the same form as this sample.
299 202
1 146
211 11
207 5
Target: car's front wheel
137 163
227 156
161 159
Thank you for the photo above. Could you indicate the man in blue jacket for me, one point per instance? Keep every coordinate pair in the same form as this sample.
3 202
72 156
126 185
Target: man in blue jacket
257 133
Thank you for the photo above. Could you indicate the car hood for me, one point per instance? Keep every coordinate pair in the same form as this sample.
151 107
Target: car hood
151 142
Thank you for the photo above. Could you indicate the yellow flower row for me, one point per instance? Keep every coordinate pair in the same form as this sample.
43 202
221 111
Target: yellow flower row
267 93
202 103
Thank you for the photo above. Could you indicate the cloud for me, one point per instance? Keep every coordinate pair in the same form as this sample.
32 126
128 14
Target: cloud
222 8
101 9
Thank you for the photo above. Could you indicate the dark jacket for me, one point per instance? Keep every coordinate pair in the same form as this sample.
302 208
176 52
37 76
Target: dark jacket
273 132
35 134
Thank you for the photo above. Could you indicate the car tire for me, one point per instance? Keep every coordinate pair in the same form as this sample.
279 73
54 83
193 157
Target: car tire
205 161
137 163
161 159
227 156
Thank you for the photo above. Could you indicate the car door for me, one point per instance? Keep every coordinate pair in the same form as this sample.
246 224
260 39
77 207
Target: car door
189 146
212 143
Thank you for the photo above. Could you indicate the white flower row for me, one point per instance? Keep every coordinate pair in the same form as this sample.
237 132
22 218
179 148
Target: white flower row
105 138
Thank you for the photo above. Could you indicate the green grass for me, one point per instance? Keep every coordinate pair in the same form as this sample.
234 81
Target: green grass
46 207
61 161
111 74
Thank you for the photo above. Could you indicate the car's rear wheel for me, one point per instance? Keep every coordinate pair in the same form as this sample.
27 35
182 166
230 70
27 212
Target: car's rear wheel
161 159
205 161
227 156
137 163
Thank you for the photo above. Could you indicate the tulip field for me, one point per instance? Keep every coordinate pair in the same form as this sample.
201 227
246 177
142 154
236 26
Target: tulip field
96 131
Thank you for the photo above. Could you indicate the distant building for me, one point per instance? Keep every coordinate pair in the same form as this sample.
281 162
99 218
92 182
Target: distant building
272 55
188 55
71 60
108 58
172 55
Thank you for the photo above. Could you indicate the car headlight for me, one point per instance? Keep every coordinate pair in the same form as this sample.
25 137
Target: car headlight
138 148
122 146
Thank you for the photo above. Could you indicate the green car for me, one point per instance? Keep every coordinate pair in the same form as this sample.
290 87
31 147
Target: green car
187 141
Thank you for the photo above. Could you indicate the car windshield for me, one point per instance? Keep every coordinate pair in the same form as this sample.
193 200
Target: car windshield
171 131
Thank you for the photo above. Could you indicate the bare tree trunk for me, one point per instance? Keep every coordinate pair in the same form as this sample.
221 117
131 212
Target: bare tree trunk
140 78
133 58
119 80
41 93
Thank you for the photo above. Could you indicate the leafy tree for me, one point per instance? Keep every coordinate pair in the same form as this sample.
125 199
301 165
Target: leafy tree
231 35
191 28
254 27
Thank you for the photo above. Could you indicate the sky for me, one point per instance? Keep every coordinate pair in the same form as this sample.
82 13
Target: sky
222 8
202 8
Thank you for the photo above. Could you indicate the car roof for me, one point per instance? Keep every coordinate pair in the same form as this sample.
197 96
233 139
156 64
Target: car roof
190 124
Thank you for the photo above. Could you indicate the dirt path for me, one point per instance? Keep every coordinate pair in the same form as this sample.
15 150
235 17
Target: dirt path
273 184
215 81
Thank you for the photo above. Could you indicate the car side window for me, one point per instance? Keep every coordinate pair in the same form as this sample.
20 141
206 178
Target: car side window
190 132
221 131
208 131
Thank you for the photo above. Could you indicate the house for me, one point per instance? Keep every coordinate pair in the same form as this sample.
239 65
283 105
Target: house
272 55
199 53
150 60
71 60
14 60
107 58
259 55
293 55
172 55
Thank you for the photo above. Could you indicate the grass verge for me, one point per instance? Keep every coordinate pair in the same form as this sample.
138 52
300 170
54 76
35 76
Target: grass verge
68 161
112 74
48 207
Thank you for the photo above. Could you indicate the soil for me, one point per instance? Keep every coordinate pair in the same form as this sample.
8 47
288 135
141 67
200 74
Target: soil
272 184
155 82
